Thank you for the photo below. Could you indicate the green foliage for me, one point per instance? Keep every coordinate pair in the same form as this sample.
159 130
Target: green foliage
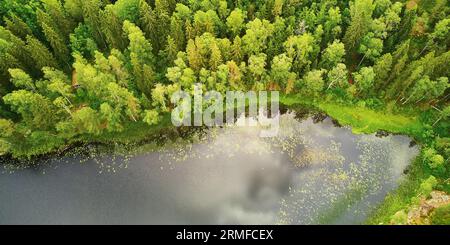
364 80
313 82
127 10
151 117
256 36
40 54
235 22
338 76
281 72
441 216
333 54
20 79
371 47
36 110
300 48
361 19
91 70
23 9
427 186
399 218
141 57
6 128
433 159
81 41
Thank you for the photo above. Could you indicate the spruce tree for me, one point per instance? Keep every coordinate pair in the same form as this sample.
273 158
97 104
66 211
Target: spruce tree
361 18
112 29
17 26
40 54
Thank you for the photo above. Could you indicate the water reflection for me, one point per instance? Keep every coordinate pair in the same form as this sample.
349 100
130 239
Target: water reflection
311 173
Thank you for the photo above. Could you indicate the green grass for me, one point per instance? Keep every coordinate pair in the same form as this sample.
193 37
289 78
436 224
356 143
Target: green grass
361 119
364 120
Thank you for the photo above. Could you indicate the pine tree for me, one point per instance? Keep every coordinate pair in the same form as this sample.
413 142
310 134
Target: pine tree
141 56
361 18
147 22
74 8
237 49
401 57
382 69
36 110
235 22
190 32
280 34
170 52
404 30
58 45
164 7
21 79
215 58
55 9
112 29
194 58
17 26
57 40
6 60
176 32
163 10
40 54
277 7
92 17
15 53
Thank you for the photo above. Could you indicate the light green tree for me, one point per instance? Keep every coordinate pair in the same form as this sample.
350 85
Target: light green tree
141 56
235 22
314 83
364 80
338 76
333 54
256 36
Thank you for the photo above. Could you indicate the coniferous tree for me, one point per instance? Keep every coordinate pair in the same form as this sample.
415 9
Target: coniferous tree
17 26
91 15
141 57
361 18
177 32
58 14
147 21
237 52
57 40
112 29
40 54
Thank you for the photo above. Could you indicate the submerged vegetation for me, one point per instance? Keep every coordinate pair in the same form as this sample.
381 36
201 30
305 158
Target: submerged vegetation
76 71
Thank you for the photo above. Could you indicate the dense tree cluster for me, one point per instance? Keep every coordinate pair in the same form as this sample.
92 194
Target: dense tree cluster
71 68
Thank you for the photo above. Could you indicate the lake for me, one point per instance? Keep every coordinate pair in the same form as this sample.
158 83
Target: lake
311 173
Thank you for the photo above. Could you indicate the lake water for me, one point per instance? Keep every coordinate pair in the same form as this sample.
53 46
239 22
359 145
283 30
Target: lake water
312 173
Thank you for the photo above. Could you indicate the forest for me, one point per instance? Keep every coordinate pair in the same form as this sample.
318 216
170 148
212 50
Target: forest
76 71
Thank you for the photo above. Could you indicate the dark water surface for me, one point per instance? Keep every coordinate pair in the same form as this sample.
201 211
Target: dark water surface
309 174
